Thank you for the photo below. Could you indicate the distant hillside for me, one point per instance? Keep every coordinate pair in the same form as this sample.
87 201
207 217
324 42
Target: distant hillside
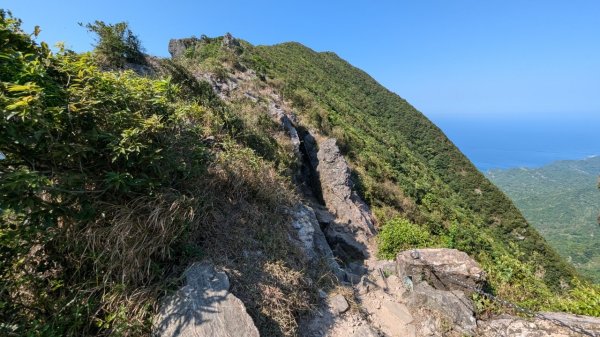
562 201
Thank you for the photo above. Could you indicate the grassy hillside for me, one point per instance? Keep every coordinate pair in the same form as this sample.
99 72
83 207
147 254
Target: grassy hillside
403 163
112 183
562 201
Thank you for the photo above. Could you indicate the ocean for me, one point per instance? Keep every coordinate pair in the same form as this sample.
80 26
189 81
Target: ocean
521 142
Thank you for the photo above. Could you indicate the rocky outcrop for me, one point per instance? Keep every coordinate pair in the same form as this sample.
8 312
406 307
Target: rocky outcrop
286 121
177 47
336 186
454 306
230 42
203 307
348 223
312 240
444 269
439 282
424 292
547 324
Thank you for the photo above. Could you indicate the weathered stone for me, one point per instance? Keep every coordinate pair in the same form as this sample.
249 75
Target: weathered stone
177 47
365 331
454 305
285 120
338 304
203 307
397 313
312 240
556 324
336 186
324 216
442 268
303 219
230 42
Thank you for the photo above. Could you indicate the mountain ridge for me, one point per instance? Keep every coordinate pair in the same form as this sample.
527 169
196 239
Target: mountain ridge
275 165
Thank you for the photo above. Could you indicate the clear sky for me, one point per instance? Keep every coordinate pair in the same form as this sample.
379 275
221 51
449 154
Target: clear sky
525 58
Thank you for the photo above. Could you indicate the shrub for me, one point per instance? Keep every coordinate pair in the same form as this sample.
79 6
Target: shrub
400 234
98 183
583 299
116 44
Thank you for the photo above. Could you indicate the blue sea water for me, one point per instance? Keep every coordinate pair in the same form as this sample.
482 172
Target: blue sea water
521 142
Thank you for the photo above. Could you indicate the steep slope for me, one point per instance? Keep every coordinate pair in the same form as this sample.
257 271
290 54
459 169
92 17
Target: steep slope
562 201
275 174
403 163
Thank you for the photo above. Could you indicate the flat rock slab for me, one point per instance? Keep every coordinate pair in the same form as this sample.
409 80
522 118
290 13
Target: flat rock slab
442 268
454 305
365 331
556 324
396 313
204 307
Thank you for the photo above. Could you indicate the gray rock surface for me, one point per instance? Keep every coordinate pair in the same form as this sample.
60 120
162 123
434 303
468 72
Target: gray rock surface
441 267
303 221
454 305
203 307
286 121
177 47
336 185
230 42
353 225
312 240
557 324
365 331
338 304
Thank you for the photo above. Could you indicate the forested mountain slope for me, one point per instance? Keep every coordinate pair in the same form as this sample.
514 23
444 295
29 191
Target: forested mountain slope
562 201
403 162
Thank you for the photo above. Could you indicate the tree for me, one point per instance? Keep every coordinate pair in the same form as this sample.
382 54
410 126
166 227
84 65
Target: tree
116 44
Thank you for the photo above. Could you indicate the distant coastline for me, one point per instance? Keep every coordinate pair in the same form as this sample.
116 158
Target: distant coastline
513 143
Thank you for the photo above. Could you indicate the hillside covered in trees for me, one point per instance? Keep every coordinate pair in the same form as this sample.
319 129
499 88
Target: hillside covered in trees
120 169
562 201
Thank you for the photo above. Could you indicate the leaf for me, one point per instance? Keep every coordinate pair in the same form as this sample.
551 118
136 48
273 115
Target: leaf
18 104
21 87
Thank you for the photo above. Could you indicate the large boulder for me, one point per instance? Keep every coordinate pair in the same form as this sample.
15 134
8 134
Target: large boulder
204 307
442 268
546 324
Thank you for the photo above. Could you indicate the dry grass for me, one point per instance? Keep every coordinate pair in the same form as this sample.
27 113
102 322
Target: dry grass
129 237
249 238
237 219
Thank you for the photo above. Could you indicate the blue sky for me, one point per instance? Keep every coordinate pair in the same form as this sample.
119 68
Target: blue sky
498 59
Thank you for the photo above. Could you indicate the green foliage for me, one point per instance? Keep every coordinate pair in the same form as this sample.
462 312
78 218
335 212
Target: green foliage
403 165
562 202
94 161
400 234
116 44
111 183
583 299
